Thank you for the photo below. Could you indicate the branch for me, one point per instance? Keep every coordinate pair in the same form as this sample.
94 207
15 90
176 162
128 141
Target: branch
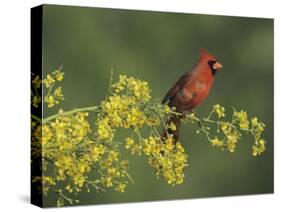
83 109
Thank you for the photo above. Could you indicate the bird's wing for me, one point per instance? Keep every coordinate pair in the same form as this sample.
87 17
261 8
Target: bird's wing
183 80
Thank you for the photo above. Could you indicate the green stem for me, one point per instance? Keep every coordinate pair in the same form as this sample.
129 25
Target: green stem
129 177
36 118
35 89
83 109
206 132
50 89
95 185
210 114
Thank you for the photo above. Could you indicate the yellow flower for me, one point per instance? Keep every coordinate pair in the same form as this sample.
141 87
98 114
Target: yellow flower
179 147
120 86
152 121
105 132
79 180
48 81
259 147
69 188
169 144
50 100
232 135
58 93
231 142
97 151
107 181
254 121
135 118
35 101
46 134
216 142
59 76
172 126
150 145
168 159
113 172
219 110
167 109
136 149
37 82
113 155
120 187
257 127
129 143
135 87
242 118
180 158
225 127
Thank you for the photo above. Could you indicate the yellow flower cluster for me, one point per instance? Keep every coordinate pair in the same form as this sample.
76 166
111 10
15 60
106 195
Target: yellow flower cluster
68 149
35 94
166 158
125 108
232 135
134 148
242 118
217 142
256 130
231 131
104 130
259 147
36 100
53 95
135 87
122 109
36 82
50 79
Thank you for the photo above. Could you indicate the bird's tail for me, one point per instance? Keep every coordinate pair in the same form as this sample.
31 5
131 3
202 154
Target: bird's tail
175 130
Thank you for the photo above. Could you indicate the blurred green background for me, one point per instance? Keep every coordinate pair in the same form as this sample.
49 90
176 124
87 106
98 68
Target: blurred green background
159 47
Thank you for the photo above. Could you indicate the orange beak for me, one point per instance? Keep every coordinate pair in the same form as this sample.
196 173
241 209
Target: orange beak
217 66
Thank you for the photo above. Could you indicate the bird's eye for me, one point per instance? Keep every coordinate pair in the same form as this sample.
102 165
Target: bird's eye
211 62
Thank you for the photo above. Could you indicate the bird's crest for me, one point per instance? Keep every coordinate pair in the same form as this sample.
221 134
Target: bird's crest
204 54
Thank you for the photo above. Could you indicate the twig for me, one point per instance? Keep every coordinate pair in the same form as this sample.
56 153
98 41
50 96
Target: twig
36 118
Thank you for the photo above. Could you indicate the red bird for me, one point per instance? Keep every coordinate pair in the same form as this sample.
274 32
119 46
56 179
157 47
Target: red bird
191 89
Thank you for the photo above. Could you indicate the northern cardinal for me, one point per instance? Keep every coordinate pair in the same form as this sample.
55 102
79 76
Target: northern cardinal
191 89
